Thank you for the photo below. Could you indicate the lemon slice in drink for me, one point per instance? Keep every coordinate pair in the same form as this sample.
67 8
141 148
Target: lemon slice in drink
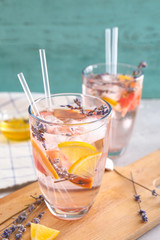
75 150
111 101
40 232
85 167
42 159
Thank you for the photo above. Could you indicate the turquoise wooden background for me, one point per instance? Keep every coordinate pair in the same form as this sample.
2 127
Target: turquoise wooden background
72 32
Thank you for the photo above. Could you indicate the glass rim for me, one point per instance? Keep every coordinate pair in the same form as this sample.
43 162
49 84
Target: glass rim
118 64
69 124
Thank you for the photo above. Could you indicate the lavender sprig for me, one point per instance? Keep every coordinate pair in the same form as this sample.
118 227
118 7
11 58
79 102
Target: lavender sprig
38 131
102 110
154 193
141 65
16 226
138 199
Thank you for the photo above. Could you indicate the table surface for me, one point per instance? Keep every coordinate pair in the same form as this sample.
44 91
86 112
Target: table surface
145 139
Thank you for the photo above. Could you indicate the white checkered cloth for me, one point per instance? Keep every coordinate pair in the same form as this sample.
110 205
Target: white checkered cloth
16 162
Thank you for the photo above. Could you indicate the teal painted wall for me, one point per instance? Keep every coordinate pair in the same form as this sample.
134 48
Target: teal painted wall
72 32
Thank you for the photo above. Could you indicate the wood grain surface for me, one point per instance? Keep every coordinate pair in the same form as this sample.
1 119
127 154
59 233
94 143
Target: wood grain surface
113 216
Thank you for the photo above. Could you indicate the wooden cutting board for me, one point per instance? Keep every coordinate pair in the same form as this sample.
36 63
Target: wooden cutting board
113 216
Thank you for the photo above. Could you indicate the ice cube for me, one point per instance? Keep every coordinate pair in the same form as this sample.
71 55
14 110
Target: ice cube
52 119
93 132
112 91
107 77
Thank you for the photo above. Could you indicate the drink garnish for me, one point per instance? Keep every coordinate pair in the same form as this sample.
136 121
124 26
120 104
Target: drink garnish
102 110
85 169
75 150
41 161
79 158
71 155
138 71
38 131
111 101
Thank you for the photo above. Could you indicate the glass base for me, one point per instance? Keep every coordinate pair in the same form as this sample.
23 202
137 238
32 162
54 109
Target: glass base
68 214
116 154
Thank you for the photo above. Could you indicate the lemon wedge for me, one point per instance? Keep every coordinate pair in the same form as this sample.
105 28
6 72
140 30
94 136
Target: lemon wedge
40 232
111 101
40 157
75 150
33 230
85 167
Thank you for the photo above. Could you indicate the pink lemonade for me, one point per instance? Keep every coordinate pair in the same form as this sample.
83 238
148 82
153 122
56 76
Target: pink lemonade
123 92
70 145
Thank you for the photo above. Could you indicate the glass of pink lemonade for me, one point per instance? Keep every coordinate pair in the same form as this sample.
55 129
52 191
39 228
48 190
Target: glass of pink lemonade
70 145
123 91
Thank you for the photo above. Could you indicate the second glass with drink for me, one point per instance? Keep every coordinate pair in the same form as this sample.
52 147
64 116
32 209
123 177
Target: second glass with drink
123 91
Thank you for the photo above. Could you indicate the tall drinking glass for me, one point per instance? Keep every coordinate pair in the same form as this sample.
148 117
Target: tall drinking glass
70 146
123 91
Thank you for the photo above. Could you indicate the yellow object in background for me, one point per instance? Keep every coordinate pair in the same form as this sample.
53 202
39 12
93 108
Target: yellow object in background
15 129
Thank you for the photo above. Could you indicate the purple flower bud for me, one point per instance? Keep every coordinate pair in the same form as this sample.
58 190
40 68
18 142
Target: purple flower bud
18 235
137 198
40 215
36 220
31 207
142 211
28 224
144 217
154 192
142 64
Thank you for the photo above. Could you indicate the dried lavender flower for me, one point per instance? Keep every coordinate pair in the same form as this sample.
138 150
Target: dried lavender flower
144 217
141 211
18 236
31 207
40 215
154 193
38 131
6 233
137 198
136 73
69 106
102 110
21 228
142 64
40 197
28 224
16 224
36 220
13 228
21 217
78 102
131 180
